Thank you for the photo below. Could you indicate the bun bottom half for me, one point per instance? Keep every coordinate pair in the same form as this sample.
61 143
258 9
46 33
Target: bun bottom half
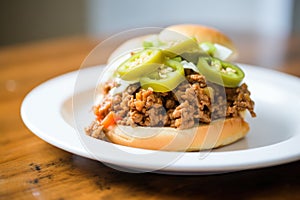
202 137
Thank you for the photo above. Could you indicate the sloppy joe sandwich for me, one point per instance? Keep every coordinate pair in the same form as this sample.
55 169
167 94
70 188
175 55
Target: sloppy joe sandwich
177 90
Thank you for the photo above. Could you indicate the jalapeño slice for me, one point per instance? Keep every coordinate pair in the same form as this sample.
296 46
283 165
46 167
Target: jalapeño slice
220 72
175 48
166 78
143 62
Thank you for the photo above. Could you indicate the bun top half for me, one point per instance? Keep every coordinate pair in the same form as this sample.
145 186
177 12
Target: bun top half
199 32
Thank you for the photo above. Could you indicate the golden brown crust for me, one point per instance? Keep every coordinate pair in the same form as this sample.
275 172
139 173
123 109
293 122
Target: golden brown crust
204 34
218 133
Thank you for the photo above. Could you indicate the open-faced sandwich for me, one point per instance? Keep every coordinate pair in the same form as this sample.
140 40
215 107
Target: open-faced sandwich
175 91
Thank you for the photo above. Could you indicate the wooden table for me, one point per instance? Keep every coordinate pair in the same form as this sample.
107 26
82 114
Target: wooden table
33 169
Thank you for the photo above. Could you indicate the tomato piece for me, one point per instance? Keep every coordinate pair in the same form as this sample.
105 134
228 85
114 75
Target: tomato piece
109 120
143 62
166 78
220 72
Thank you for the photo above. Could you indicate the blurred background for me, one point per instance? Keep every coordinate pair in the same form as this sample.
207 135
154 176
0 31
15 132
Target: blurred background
267 22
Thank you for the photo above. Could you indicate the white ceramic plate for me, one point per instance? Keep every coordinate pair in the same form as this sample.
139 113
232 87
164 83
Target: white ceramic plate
274 137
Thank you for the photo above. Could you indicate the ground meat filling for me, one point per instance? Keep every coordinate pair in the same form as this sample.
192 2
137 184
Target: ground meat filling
96 130
193 102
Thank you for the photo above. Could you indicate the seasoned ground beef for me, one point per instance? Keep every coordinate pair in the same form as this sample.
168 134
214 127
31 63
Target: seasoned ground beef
192 102
96 130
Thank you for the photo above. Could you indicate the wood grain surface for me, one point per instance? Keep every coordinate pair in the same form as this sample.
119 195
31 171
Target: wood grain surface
33 169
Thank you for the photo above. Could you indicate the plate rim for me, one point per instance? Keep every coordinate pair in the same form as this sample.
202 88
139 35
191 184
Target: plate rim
68 80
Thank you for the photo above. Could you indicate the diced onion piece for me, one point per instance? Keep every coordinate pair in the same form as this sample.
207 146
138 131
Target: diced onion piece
122 85
190 65
216 50
222 52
